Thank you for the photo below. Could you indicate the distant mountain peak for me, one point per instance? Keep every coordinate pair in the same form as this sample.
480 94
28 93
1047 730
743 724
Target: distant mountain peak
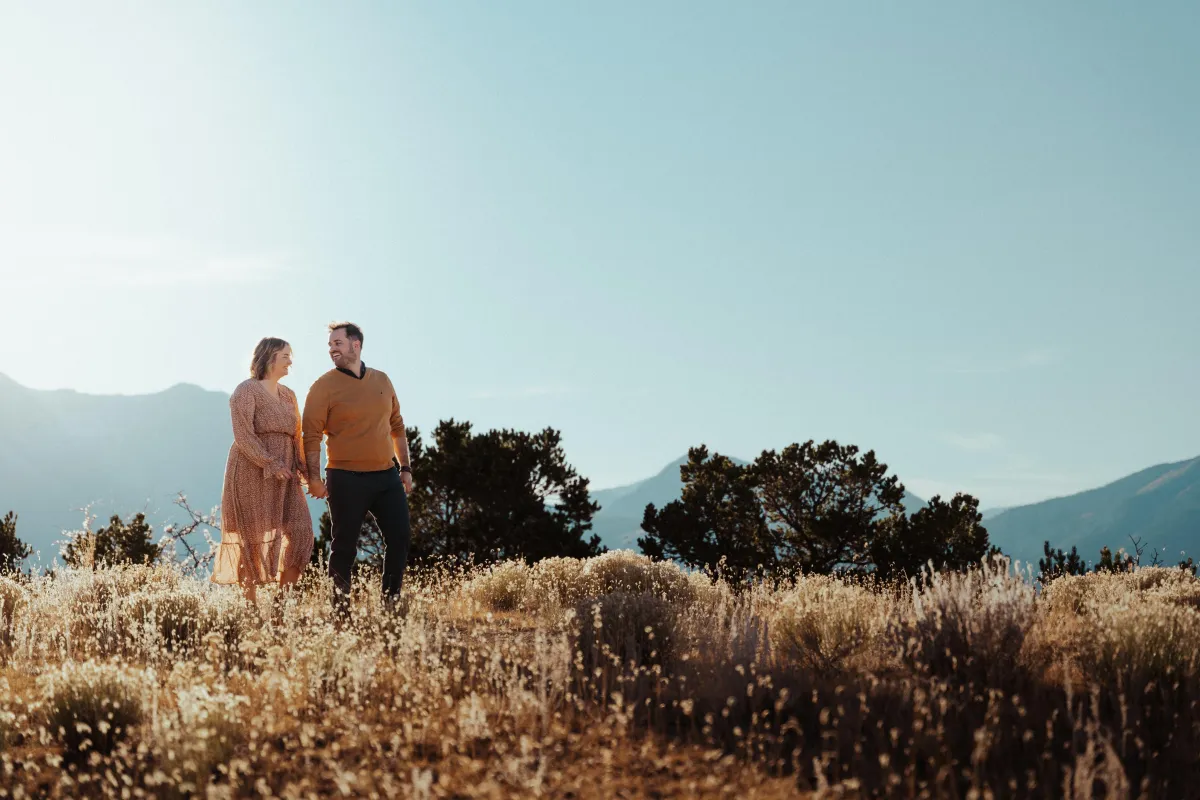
189 388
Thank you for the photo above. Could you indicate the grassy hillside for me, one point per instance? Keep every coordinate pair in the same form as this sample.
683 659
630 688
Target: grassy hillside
601 678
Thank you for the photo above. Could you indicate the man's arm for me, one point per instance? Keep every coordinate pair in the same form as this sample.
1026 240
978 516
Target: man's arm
400 443
399 437
316 414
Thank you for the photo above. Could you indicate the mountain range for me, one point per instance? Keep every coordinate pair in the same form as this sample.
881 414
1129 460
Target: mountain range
122 454
1160 506
65 452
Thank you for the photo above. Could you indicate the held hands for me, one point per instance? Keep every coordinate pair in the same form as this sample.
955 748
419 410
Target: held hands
317 490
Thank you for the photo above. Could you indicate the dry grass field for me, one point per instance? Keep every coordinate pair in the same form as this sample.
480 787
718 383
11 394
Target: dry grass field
609 677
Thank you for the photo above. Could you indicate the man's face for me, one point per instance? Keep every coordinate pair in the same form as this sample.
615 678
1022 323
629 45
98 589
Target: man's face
342 350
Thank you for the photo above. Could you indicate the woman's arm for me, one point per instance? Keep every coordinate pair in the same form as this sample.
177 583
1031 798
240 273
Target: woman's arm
241 411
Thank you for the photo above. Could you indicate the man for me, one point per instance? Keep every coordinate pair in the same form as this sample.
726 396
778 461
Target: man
355 407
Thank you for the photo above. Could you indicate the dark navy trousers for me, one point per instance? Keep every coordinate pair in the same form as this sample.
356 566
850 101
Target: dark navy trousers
351 496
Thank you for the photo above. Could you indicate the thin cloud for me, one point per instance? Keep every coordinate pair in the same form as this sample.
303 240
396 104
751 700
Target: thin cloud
235 270
72 259
974 442
1001 489
1036 358
521 392
1045 357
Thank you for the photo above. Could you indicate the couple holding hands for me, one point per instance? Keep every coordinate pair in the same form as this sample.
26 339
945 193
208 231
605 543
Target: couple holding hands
266 527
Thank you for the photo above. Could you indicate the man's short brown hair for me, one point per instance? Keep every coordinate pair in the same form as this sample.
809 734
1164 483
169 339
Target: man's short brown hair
353 332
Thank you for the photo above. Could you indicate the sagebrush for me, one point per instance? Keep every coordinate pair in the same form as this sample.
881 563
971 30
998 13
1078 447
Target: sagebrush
600 677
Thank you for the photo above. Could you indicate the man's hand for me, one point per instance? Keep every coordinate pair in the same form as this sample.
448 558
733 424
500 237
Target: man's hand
317 489
406 479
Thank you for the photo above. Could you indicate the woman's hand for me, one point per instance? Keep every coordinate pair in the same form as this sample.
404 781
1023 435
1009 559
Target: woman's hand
284 474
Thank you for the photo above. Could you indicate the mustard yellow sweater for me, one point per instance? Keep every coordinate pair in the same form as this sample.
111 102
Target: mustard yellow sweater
359 417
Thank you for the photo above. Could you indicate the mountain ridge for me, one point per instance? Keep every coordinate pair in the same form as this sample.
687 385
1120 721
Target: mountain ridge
120 454
1158 504
109 454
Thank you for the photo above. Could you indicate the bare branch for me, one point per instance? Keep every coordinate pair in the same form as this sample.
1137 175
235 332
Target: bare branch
1138 547
184 535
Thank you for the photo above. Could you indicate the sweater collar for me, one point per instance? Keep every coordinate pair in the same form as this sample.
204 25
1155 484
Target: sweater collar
362 374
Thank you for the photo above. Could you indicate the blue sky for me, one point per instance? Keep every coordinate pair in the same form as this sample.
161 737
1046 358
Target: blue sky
964 236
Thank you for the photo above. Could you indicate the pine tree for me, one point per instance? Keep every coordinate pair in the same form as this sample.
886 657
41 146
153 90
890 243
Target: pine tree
12 550
117 543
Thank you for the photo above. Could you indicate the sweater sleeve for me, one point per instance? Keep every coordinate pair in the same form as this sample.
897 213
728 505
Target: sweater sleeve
316 414
398 431
397 421
241 411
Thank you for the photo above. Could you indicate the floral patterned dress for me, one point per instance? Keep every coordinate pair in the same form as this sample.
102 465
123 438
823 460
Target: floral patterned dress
265 523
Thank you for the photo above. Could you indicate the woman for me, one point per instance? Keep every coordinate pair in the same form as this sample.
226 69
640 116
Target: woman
266 530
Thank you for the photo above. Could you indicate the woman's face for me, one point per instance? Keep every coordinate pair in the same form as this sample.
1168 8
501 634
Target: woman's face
281 363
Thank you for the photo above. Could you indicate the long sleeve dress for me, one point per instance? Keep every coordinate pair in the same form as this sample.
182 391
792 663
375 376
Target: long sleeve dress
265 523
